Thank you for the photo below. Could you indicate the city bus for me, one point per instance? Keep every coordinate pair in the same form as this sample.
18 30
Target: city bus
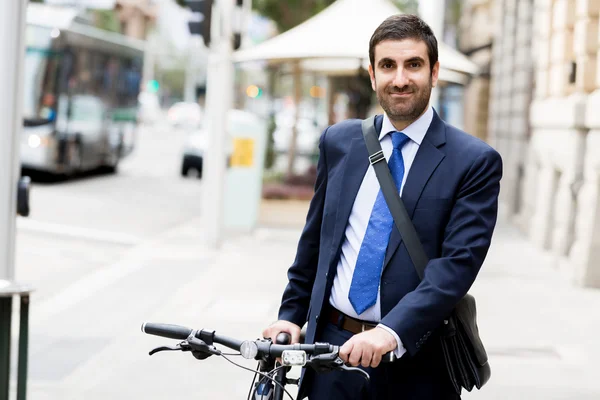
80 93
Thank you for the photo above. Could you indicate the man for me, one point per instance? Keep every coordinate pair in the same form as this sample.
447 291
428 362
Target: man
449 182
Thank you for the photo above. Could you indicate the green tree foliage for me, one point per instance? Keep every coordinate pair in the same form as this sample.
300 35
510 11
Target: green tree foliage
407 6
107 20
290 13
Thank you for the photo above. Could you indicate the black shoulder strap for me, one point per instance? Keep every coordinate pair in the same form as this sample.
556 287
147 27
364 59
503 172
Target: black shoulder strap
392 198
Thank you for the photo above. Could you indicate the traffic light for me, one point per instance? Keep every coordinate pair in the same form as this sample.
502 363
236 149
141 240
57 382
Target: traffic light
152 86
254 91
237 35
202 10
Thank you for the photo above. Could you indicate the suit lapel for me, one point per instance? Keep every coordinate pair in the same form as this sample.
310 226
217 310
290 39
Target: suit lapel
427 159
355 167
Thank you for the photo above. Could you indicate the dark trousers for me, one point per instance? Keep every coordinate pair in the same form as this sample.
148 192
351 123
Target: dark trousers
420 378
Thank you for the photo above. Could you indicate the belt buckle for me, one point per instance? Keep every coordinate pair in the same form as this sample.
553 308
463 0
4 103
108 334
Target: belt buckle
362 326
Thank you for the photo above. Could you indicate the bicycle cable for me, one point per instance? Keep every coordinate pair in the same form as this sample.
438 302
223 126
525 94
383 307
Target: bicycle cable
262 379
252 388
261 374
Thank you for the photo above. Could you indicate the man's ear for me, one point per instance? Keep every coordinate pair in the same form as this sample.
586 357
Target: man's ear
372 76
435 72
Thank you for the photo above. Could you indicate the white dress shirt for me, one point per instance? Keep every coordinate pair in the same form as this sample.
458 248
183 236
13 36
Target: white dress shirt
361 213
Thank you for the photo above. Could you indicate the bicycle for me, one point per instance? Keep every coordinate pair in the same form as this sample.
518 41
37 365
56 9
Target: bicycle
322 357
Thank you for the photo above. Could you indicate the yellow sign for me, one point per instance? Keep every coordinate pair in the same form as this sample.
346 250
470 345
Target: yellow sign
243 152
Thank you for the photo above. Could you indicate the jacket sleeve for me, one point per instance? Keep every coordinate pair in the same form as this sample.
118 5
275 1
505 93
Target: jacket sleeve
467 238
301 275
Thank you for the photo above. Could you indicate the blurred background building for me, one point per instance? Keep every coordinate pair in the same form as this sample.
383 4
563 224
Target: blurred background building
136 16
535 101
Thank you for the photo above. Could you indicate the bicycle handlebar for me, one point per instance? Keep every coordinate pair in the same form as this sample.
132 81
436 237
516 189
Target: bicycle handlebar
322 357
167 330
261 348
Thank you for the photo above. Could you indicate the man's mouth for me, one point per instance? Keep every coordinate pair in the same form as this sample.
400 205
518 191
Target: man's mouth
401 94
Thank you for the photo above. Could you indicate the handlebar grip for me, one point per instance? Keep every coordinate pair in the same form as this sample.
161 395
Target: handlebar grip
166 330
283 338
389 357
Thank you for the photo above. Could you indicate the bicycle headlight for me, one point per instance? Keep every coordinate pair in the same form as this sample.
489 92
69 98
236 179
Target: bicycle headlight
293 358
249 349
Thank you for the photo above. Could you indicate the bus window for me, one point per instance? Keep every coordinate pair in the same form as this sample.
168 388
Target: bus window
39 89
86 109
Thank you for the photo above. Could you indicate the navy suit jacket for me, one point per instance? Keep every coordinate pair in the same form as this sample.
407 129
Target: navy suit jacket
451 194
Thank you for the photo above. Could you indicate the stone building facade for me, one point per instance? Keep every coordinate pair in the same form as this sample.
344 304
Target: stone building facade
136 16
543 117
475 40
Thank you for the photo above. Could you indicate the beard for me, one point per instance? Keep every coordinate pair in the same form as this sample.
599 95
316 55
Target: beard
406 109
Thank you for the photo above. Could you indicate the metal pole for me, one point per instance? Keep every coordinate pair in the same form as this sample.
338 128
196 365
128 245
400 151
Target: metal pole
5 330
433 12
219 96
297 100
12 49
23 348
246 18
189 92
149 58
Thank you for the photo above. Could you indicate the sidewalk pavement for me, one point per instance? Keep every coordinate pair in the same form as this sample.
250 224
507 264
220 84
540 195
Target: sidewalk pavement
541 333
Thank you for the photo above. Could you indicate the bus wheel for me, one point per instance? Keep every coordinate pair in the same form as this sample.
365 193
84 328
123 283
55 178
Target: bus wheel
110 168
111 165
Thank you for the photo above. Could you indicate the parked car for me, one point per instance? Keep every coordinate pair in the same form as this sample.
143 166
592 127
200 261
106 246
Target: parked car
196 143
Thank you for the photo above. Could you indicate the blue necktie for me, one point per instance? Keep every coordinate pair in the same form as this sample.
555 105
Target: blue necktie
367 272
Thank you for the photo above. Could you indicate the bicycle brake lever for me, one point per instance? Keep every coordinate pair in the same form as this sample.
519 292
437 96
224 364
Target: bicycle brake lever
166 348
325 362
331 361
365 374
200 349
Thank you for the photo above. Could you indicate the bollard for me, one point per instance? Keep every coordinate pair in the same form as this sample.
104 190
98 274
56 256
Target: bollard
8 290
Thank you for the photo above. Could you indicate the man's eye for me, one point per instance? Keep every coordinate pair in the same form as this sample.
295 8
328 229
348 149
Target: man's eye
415 65
386 65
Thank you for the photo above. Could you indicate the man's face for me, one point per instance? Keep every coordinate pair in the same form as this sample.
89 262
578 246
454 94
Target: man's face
402 78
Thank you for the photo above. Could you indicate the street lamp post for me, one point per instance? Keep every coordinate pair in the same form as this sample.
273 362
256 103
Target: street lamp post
221 24
12 47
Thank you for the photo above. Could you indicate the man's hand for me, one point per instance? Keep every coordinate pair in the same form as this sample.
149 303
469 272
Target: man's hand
367 348
282 326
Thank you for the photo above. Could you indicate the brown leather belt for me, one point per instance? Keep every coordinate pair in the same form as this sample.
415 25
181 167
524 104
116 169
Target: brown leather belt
347 323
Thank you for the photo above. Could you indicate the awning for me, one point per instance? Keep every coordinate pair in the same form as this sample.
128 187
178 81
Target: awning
336 42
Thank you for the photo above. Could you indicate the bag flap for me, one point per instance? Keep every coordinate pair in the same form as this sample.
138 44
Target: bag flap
466 314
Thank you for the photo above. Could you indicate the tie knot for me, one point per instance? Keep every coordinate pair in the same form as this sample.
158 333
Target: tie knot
399 139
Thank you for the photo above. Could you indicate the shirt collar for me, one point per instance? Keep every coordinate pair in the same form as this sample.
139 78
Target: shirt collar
415 131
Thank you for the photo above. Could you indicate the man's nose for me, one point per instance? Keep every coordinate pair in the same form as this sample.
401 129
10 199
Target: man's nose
401 78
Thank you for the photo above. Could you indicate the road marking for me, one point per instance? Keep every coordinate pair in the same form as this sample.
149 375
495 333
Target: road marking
31 225
97 281
86 287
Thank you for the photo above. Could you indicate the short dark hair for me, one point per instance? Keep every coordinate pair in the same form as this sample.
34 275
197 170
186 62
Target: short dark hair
405 26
